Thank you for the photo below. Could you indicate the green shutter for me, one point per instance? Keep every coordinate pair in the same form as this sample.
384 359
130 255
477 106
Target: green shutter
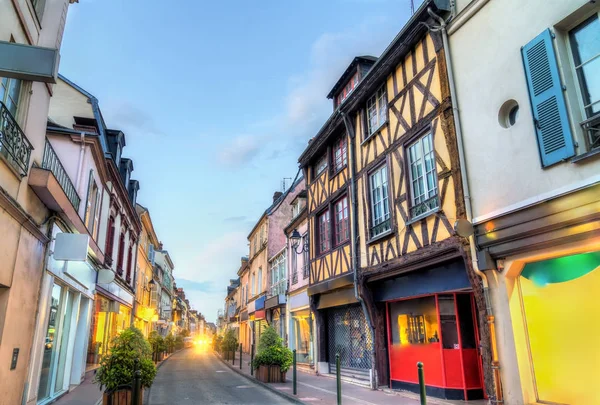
551 121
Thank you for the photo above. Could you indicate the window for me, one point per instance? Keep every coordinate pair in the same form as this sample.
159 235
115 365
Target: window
121 254
278 279
377 110
324 231
296 208
585 47
129 257
305 258
380 206
347 89
253 283
423 178
259 281
340 154
10 90
39 6
321 165
92 209
341 221
110 238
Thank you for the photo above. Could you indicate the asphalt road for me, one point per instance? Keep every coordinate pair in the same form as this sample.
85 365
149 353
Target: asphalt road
193 376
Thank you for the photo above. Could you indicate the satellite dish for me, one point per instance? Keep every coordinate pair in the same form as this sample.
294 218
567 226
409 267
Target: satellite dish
463 228
105 276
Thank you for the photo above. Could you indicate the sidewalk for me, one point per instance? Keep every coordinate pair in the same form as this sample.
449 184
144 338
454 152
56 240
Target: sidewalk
320 389
87 393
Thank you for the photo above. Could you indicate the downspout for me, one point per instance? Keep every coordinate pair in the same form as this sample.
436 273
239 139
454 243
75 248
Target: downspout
354 244
80 164
135 276
468 207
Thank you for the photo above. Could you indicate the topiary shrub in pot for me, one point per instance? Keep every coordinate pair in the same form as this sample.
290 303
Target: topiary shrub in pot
157 342
229 344
272 359
118 366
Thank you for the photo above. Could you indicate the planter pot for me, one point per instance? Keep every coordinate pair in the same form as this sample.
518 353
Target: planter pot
121 398
271 374
262 373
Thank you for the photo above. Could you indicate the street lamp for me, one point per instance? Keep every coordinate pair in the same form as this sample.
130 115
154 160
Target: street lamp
295 238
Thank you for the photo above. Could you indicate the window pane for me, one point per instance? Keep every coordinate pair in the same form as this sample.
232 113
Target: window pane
585 40
448 320
414 322
589 79
14 88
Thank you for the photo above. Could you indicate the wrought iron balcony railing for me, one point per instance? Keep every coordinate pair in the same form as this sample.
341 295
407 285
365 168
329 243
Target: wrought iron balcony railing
306 270
52 162
591 126
14 145
381 228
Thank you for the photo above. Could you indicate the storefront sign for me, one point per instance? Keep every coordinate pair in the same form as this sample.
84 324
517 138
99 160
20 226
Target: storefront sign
251 307
275 301
244 316
117 292
27 62
337 298
71 246
260 303
451 276
299 300
260 314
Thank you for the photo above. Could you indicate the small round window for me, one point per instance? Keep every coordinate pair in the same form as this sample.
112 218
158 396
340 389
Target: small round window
508 114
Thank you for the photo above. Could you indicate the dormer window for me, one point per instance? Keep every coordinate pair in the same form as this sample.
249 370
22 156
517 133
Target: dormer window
377 110
348 88
321 165
296 208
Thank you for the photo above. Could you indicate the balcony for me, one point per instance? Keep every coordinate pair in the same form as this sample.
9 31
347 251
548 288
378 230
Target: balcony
52 162
15 148
591 127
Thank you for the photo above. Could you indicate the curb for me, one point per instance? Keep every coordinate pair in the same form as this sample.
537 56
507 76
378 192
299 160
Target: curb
265 385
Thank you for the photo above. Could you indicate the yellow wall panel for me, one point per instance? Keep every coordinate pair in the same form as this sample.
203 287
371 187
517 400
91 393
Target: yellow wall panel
420 56
418 100
442 232
449 205
430 47
430 223
411 245
435 87
408 68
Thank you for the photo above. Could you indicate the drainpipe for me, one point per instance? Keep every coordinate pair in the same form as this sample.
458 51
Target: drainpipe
468 207
80 164
354 245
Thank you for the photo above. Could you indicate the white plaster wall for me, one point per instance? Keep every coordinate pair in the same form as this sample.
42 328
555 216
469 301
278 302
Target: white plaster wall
67 103
503 165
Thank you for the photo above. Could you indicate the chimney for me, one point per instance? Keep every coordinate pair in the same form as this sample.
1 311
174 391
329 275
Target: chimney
160 246
277 195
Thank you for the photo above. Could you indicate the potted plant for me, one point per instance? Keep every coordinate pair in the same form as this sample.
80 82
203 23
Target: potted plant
170 343
157 344
129 350
273 359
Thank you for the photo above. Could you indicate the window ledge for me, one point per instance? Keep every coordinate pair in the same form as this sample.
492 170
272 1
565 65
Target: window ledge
383 235
422 216
377 131
334 172
587 155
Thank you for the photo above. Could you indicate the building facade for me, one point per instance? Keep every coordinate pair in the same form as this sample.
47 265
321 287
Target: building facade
162 297
534 185
245 335
300 320
24 101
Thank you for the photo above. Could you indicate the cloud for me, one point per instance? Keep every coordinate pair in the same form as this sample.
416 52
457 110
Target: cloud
242 149
189 285
130 119
305 107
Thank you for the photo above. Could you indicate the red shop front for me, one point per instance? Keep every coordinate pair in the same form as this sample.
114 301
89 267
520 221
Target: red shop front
431 318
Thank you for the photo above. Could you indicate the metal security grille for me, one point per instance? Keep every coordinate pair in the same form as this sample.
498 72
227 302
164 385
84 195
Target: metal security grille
349 336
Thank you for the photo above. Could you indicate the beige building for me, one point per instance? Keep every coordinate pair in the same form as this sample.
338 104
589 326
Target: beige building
35 28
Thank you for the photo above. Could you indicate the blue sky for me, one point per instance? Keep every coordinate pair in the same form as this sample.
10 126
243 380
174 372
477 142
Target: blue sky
217 100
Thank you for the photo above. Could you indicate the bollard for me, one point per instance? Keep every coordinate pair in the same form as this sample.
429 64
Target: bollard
233 357
252 359
338 376
294 372
421 383
137 388
240 356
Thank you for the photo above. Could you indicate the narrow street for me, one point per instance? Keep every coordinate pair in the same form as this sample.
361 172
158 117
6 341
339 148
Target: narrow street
193 376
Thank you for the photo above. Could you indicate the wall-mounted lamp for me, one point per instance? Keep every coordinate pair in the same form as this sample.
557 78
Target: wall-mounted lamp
295 238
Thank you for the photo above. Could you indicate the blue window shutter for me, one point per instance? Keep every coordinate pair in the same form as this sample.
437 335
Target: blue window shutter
551 121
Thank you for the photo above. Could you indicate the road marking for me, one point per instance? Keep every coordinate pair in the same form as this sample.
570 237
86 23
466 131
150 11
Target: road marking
221 371
243 386
309 399
335 393
283 388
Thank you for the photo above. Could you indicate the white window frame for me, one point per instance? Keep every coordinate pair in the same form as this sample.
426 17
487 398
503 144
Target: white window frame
321 165
377 107
429 193
278 276
379 180
6 95
305 257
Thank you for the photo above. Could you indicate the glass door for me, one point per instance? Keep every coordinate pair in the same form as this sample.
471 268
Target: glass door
51 343
64 342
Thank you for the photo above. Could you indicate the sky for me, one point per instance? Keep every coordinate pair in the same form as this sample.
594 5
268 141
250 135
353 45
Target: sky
217 101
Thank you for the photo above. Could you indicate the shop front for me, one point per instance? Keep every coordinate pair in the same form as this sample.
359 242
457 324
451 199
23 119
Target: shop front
553 315
245 331
112 315
345 332
275 307
260 318
66 299
301 327
431 318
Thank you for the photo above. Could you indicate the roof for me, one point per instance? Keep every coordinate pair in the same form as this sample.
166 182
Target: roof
349 72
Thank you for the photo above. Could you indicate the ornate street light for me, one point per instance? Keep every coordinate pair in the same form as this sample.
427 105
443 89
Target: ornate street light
295 238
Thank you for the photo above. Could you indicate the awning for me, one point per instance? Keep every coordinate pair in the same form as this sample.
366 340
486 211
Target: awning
330 285
298 300
260 303
27 62
275 301
337 298
260 314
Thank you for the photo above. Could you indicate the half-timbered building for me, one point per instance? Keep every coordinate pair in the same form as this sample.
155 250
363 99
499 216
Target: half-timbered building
414 270
341 327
